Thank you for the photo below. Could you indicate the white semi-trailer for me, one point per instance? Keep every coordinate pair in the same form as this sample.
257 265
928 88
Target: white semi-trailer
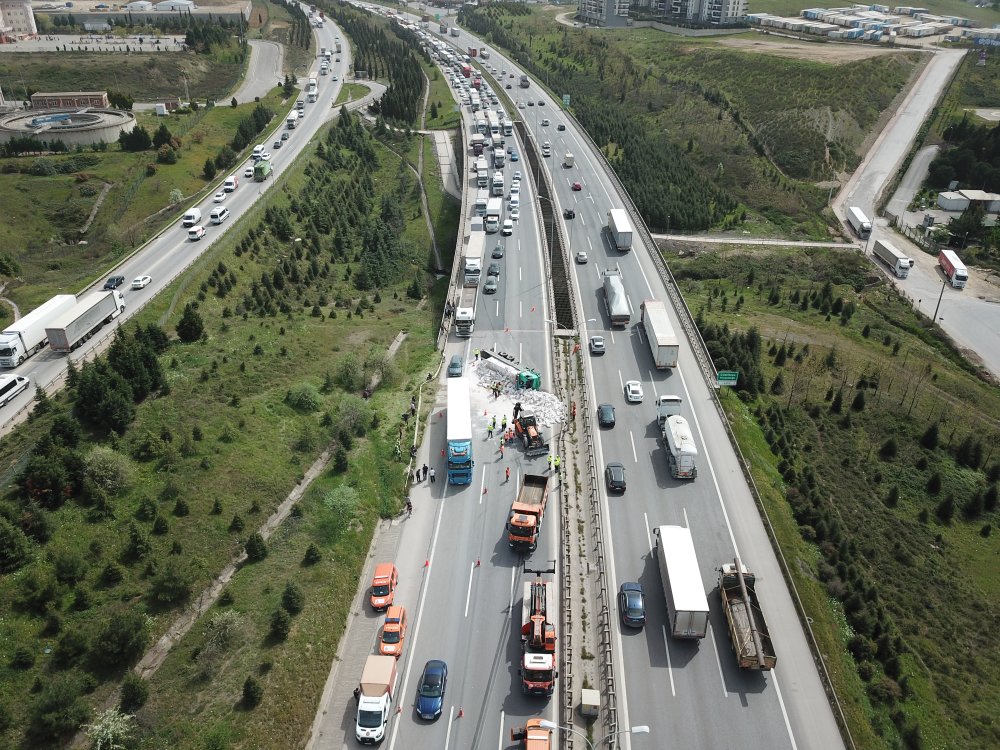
859 222
25 336
663 343
898 263
84 319
620 229
687 605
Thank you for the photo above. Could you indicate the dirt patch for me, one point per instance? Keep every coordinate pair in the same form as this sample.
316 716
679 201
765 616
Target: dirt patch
833 54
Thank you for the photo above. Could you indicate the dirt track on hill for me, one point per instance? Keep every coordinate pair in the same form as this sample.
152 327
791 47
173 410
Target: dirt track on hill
835 54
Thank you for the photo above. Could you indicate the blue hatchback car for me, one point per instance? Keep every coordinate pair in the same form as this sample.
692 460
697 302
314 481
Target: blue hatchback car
514 156
430 692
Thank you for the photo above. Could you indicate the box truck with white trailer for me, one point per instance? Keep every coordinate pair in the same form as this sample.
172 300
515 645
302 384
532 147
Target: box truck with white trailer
898 263
614 296
954 269
687 604
26 335
859 222
620 229
84 319
663 344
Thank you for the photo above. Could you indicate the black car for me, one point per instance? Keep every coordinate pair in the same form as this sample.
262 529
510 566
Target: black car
497 251
508 86
569 213
114 282
561 127
632 605
614 475
541 102
493 270
606 415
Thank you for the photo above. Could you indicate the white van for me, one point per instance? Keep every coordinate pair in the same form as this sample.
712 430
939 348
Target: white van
192 217
196 233
515 202
219 214
258 150
10 386
232 182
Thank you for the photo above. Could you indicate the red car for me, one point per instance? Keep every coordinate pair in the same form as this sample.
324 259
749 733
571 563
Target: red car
577 186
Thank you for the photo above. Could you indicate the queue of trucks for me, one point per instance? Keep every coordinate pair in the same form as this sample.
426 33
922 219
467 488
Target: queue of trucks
64 322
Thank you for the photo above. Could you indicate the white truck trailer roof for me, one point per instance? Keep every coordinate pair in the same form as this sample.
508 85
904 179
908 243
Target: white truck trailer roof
686 586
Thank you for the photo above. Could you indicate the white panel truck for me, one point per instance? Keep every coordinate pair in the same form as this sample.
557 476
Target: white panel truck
620 229
687 605
663 343
378 683
84 319
859 222
889 254
26 335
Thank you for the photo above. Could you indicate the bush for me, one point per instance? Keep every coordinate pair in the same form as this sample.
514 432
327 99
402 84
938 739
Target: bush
172 582
312 555
135 692
190 327
15 549
256 547
109 469
934 483
885 690
22 658
58 709
120 638
304 398
253 693
292 599
929 439
889 449
281 624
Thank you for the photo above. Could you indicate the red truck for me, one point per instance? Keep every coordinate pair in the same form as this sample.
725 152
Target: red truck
473 51
466 70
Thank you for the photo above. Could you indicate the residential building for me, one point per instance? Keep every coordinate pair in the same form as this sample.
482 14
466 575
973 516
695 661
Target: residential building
17 20
604 12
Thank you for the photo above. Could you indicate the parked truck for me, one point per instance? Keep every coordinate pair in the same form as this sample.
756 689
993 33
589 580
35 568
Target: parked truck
614 296
459 436
526 512
954 269
747 627
539 612
532 736
27 335
660 334
859 222
378 684
687 605
465 312
84 319
889 254
262 170
472 257
494 209
620 229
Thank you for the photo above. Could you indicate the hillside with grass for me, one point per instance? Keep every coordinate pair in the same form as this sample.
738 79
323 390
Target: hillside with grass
126 494
703 135
877 452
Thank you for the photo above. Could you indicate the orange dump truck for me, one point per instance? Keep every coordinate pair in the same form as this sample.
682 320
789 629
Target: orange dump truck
525 518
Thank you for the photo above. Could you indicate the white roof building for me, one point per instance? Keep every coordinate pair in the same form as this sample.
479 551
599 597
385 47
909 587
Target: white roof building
139 6
181 5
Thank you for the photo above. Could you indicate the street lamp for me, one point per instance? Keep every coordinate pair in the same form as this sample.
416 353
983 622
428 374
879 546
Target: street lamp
640 729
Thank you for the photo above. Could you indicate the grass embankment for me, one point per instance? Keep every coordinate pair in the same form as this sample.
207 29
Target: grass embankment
874 447
350 92
289 342
696 129
46 212
145 76
440 101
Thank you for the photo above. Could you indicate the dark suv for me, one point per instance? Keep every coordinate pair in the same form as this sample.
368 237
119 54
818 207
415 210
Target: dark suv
614 475
114 282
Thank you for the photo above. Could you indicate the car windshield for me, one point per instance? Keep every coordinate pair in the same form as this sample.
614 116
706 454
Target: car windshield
380 590
369 719
431 687
391 636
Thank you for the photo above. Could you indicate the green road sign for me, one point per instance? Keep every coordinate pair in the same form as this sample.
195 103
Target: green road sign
566 101
727 377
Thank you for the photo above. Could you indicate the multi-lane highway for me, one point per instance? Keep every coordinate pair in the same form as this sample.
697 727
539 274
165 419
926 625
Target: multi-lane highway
170 253
691 694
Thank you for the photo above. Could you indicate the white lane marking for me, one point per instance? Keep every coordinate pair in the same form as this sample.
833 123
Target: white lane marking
500 737
425 586
468 592
447 737
482 486
670 667
621 381
631 437
590 245
718 661
510 601
784 713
